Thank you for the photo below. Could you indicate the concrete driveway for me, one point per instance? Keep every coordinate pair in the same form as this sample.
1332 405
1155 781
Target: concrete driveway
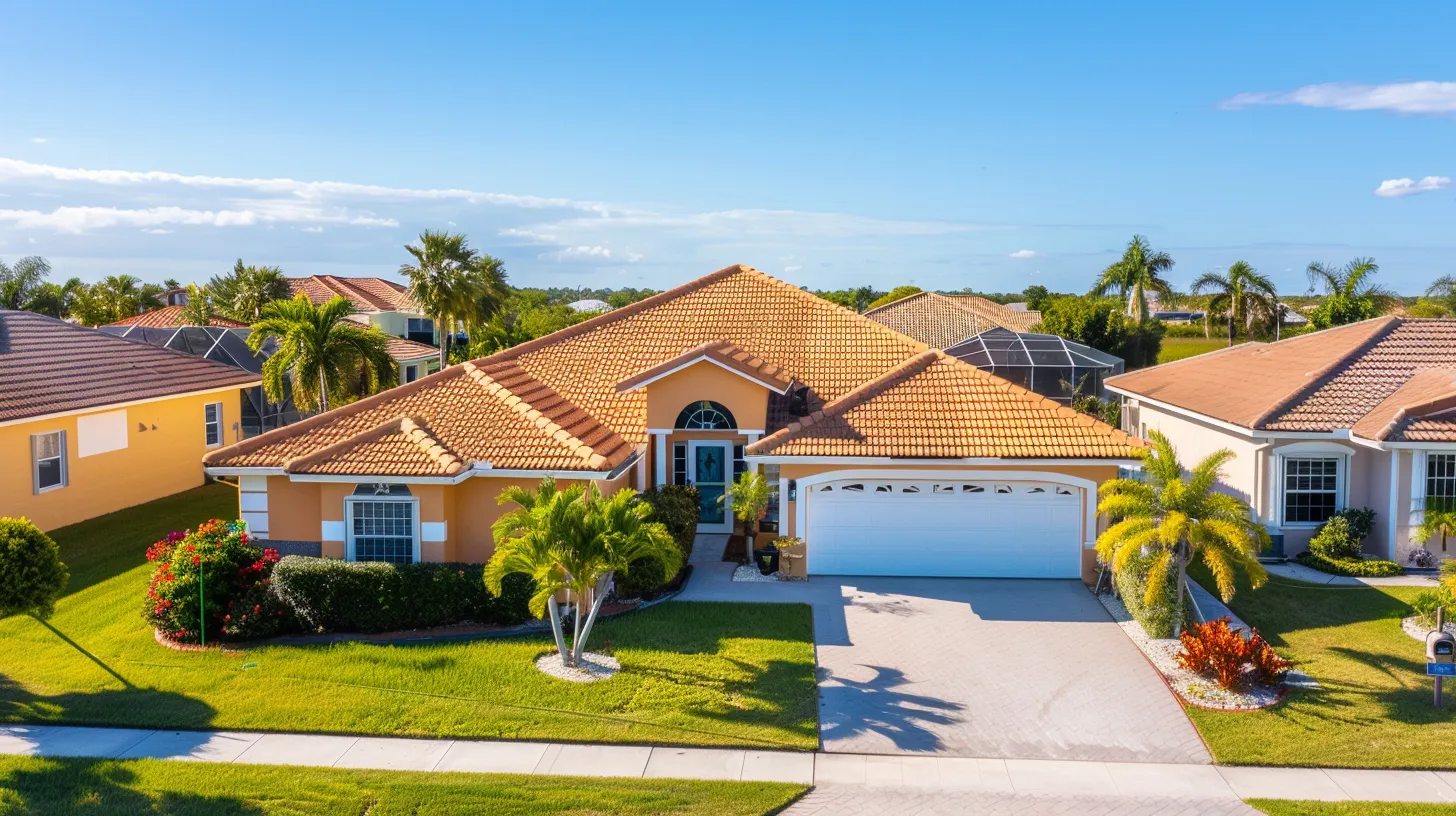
1027 669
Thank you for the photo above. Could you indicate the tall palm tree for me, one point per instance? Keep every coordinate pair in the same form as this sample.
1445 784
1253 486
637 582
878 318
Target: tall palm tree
1242 294
242 294
1350 295
321 351
21 282
199 308
453 284
1138 272
573 541
1178 519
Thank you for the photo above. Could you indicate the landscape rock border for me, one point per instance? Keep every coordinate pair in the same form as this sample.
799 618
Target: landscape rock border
592 668
1418 631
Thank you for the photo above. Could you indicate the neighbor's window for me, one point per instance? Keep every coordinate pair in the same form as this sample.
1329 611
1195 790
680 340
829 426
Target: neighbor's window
382 523
212 421
48 453
1440 480
1311 489
411 373
420 330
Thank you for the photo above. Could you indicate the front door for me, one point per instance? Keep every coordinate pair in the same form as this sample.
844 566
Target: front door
709 463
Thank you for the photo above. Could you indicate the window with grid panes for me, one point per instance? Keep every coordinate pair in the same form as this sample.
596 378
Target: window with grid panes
382 528
1311 489
679 463
1440 480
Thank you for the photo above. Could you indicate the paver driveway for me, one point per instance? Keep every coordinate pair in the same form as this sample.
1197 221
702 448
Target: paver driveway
1028 669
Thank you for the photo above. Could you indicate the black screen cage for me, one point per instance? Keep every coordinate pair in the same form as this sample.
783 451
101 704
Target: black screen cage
1052 366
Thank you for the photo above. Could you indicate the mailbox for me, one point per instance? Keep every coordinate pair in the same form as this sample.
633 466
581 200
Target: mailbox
1441 647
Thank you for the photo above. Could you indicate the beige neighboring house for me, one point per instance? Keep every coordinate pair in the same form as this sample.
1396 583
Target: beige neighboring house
376 301
1362 415
941 321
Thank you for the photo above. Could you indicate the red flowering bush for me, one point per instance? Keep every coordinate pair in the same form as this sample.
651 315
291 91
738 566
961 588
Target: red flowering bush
213 577
1214 649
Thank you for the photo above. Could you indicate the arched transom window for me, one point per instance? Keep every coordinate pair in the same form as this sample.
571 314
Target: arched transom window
705 415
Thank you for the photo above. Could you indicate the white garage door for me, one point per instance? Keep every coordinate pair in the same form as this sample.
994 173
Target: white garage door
962 528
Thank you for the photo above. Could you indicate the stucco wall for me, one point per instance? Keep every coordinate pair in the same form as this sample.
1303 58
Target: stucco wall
154 463
748 401
1195 440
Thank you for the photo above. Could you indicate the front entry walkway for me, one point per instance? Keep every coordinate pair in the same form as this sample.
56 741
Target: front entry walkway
1017 669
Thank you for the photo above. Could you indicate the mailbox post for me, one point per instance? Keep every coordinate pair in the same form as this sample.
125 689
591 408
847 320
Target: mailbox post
1440 653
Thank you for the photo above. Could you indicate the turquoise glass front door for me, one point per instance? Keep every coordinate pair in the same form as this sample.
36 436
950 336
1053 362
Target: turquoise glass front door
709 461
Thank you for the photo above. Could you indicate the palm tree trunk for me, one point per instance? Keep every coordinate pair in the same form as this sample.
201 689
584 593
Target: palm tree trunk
444 341
1231 327
554 610
323 399
575 632
1182 588
599 594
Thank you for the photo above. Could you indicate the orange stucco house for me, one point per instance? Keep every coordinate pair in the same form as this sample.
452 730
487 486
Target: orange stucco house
888 457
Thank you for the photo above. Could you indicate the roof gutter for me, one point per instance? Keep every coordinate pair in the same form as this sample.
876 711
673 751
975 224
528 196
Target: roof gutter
479 469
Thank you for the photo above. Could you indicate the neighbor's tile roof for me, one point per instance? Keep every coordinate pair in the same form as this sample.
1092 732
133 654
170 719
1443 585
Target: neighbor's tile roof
401 349
168 317
366 294
941 321
934 407
48 366
554 403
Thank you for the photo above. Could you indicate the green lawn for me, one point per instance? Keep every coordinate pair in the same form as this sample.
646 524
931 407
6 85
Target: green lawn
1176 348
1287 807
693 673
52 787
1374 709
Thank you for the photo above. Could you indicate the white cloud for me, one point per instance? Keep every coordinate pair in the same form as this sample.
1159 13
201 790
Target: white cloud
1429 98
789 270
1396 188
38 140
312 229
579 252
1023 254
158 231
82 219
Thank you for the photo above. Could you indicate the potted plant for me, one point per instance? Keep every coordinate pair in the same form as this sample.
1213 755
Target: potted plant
750 503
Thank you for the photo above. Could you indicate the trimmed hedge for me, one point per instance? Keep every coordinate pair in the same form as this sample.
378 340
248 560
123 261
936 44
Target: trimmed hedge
1353 567
677 508
329 595
1155 618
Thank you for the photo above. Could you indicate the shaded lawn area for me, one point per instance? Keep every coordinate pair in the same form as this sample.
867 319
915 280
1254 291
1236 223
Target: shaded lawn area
693 673
51 787
1177 348
1374 708
1289 807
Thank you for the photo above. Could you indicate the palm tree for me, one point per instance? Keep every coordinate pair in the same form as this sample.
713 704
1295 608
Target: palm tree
1180 519
749 496
452 283
242 294
320 350
199 308
19 284
1242 294
1444 288
1350 295
1437 521
119 296
1136 273
573 541
863 297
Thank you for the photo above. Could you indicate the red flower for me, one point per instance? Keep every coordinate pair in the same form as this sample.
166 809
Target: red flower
196 561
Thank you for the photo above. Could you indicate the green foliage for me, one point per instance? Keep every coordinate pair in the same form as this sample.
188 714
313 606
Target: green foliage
242 294
1334 540
1109 411
1242 296
21 282
1037 297
114 298
1353 567
454 284
1154 613
1139 271
326 356
1426 604
199 308
1361 521
32 576
858 299
749 495
677 508
1350 295
898 293
1428 308
1438 520
232 601
1100 323
329 595
642 580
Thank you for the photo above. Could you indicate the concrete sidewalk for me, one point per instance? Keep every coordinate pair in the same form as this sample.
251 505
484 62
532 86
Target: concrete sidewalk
1015 777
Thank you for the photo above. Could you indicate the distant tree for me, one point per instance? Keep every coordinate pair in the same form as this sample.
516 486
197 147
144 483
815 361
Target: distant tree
898 293
31 573
55 300
1444 290
1242 294
321 351
863 297
1138 272
21 282
242 294
1428 308
199 309
116 297
1101 324
1037 297
1350 296
172 283
453 284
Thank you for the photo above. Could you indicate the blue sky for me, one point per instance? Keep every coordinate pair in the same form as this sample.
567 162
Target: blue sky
644 144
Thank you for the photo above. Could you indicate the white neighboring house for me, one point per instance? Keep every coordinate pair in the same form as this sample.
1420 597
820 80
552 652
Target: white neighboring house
1362 415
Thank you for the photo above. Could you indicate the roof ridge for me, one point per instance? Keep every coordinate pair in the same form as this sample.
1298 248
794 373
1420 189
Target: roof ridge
534 416
413 431
1414 410
1322 375
131 344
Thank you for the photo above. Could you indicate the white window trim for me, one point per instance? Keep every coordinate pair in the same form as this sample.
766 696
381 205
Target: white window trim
1341 457
35 463
350 501
221 437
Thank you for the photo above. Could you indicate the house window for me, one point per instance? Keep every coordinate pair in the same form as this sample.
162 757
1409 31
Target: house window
740 465
382 524
212 423
1311 489
411 373
48 455
705 416
1440 481
420 330
770 522
679 463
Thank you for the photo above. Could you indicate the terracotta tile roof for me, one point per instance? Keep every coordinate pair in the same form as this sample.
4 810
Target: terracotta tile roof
366 294
554 403
401 349
1249 383
48 366
941 321
399 446
935 406
1432 391
169 317
725 354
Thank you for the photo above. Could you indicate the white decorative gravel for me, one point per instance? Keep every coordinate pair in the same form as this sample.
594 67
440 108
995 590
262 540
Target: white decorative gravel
593 667
1413 627
750 574
1194 688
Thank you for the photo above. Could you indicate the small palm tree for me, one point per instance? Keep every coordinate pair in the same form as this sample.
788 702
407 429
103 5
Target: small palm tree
22 281
320 350
120 296
1138 272
574 541
1350 295
242 294
749 495
1178 519
1242 294
1444 289
1437 521
199 309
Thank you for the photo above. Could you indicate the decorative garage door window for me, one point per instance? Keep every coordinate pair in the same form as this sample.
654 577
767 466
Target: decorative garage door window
705 415
947 489
382 524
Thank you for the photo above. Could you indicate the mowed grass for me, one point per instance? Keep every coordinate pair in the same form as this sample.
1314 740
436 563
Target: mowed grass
1177 348
1374 708
53 787
693 673
1289 807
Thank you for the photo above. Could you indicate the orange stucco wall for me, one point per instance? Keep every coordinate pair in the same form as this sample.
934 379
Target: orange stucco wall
154 463
748 401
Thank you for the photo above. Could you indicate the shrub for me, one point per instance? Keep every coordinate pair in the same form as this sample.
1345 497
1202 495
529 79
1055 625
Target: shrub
328 595
1421 557
232 602
1155 618
1353 567
644 578
31 573
1361 521
676 506
1214 649
1334 540
1426 604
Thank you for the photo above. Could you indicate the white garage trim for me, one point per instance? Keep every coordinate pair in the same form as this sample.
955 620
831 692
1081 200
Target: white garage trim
1088 487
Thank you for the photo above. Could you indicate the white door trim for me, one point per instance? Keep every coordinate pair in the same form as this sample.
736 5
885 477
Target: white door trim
726 446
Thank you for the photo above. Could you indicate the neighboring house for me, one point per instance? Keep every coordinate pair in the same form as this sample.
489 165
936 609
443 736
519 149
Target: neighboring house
169 317
1052 366
1168 314
887 456
415 360
1354 416
941 321
376 301
91 423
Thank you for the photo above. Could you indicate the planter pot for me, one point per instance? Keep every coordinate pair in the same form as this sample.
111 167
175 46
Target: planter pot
767 560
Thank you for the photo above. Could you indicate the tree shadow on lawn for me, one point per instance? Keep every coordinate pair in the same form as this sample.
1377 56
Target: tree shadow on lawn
1282 606
1412 701
131 707
65 786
